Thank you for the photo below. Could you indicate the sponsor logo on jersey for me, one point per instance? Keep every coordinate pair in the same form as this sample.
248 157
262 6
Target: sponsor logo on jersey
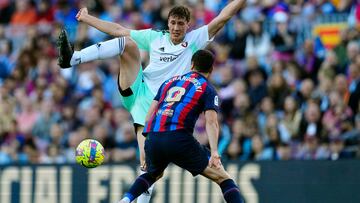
165 112
168 57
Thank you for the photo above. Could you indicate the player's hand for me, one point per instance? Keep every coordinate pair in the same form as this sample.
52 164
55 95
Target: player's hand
215 161
81 14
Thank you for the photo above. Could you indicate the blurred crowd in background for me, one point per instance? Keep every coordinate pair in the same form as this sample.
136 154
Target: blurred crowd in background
286 93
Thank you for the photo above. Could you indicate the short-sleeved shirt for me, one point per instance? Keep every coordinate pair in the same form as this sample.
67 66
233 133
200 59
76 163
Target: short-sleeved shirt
166 58
181 100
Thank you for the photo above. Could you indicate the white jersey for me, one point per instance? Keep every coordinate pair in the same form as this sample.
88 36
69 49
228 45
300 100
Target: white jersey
166 59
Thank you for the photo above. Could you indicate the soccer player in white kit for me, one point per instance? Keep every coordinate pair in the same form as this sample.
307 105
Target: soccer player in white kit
170 54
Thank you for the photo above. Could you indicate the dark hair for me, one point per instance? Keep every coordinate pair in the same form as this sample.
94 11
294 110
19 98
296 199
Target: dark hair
180 12
203 61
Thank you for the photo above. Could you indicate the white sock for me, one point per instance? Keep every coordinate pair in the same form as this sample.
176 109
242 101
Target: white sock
102 50
146 196
125 200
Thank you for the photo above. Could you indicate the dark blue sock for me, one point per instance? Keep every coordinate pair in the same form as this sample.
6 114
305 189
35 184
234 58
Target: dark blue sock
231 192
141 184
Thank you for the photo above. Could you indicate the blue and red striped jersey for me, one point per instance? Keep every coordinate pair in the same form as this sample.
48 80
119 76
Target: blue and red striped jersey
181 100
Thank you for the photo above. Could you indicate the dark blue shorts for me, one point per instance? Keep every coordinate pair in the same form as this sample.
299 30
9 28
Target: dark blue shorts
178 147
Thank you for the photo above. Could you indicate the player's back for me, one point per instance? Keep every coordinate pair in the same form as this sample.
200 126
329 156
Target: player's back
181 100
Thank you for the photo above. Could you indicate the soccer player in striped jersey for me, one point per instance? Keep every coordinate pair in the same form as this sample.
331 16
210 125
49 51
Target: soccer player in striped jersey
169 127
170 53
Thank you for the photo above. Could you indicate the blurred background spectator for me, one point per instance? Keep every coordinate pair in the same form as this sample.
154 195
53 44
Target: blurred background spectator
287 73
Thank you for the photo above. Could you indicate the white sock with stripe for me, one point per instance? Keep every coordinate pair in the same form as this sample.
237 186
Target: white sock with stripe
102 50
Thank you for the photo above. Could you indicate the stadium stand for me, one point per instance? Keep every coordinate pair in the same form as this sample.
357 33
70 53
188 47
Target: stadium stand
287 72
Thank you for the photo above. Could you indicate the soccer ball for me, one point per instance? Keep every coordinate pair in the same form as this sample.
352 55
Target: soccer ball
90 153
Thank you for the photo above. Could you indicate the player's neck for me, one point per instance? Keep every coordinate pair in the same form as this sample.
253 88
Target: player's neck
203 74
176 42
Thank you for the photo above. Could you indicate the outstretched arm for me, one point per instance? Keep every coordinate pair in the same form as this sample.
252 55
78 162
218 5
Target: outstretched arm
225 15
110 28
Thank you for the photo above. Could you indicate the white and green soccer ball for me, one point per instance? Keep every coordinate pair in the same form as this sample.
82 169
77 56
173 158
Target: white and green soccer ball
90 153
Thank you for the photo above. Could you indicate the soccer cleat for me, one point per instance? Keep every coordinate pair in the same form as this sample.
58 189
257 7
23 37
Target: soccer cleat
65 50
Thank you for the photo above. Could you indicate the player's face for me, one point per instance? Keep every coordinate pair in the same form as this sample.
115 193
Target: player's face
177 28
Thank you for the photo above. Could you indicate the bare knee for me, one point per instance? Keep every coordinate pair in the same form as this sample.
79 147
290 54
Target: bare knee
130 43
131 48
129 59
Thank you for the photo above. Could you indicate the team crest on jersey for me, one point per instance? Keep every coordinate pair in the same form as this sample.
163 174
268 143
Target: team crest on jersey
184 44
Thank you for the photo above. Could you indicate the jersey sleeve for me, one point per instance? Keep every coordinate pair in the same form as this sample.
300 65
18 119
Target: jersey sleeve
199 38
211 100
143 38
